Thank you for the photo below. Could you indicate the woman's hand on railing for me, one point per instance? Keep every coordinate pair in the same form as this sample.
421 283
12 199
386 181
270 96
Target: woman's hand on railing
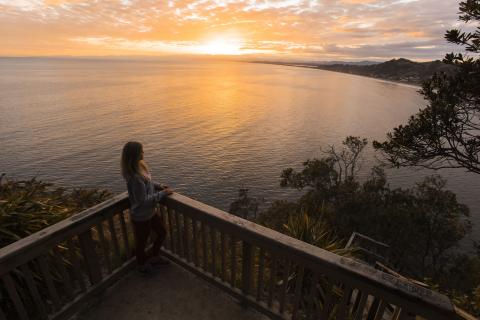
167 190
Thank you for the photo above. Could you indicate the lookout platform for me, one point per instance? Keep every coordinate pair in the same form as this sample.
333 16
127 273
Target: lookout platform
218 259
172 293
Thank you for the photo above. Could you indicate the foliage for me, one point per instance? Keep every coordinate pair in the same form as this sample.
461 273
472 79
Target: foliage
27 206
423 225
245 206
445 133
312 229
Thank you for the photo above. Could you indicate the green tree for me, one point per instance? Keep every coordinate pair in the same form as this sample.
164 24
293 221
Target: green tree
445 134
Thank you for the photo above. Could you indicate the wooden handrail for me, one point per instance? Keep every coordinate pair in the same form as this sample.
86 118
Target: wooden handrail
279 275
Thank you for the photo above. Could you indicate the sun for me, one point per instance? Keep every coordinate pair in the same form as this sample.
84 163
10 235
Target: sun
222 46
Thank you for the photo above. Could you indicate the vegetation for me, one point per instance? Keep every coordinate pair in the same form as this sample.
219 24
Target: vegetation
27 206
423 225
445 134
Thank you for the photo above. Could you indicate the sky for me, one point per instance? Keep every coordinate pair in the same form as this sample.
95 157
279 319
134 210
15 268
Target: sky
284 29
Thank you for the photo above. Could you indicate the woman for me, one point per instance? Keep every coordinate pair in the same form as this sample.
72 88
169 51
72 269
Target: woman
144 194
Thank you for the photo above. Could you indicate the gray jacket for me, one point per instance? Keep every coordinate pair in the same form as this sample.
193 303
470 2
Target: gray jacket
143 197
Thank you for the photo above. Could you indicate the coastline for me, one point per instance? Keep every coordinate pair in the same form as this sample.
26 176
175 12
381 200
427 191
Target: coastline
414 85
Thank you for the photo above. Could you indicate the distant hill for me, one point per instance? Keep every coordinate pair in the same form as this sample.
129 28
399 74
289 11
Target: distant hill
402 70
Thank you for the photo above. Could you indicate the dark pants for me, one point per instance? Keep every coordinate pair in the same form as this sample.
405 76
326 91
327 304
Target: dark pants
142 232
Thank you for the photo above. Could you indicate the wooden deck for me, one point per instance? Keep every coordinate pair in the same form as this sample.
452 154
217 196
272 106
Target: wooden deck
54 273
172 293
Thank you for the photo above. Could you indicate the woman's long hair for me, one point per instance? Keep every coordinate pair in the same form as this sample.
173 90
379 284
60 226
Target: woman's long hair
132 161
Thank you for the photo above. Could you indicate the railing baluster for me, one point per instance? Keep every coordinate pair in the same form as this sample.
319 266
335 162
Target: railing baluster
90 256
195 242
328 303
179 234
273 275
32 287
125 234
47 277
380 311
223 248
361 305
283 295
113 237
76 264
261 269
213 236
12 292
233 261
344 305
247 262
186 234
173 245
311 297
63 272
298 291
204 245
105 247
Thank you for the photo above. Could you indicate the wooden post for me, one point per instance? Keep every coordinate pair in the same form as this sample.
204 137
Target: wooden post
247 259
261 270
88 249
12 291
32 287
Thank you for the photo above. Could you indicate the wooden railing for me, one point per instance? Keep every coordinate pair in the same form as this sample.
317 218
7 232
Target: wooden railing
51 273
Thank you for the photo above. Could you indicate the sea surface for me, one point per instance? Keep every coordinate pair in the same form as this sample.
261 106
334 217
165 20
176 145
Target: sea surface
208 128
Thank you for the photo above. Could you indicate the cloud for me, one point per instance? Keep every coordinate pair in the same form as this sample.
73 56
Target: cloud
318 29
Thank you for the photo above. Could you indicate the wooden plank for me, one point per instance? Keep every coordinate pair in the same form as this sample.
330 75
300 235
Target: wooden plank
298 291
247 267
180 251
273 279
204 246
47 277
114 239
233 262
90 256
311 297
195 242
12 292
40 307
343 310
105 247
283 294
125 234
66 281
380 311
173 244
223 253
261 271
213 236
72 254
328 303
186 237
361 306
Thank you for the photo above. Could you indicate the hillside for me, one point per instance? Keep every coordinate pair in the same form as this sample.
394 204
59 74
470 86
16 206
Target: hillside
402 70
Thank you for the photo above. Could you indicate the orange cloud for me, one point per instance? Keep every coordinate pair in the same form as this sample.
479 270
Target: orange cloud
299 28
